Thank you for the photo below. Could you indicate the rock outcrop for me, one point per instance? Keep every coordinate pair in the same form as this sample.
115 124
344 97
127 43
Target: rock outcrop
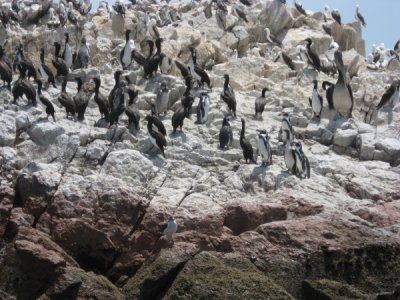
82 206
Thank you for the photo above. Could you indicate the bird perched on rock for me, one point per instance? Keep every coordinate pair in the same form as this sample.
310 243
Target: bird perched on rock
313 57
264 148
300 8
203 108
156 138
228 96
225 135
260 103
336 16
49 106
81 99
83 54
100 99
359 16
67 53
169 228
66 100
290 155
287 126
45 71
126 53
162 99
316 100
302 163
248 152
391 95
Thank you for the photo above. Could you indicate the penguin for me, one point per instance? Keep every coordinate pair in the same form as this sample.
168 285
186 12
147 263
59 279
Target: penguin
312 56
302 163
225 135
156 138
198 73
100 99
169 228
316 100
126 53
248 152
228 96
239 11
81 100
71 15
260 103
391 95
287 126
119 7
203 108
49 106
66 100
290 156
264 148
62 14
58 62
67 53
342 95
45 71
83 55
162 100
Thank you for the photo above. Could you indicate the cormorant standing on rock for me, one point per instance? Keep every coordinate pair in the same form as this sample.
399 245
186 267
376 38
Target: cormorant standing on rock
248 152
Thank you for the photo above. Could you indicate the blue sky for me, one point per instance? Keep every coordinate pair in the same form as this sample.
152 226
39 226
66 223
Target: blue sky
380 17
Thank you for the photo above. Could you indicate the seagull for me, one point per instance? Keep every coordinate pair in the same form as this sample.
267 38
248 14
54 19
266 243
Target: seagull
359 16
169 228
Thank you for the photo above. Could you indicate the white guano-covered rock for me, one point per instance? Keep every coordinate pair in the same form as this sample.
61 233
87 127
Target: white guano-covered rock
45 133
344 138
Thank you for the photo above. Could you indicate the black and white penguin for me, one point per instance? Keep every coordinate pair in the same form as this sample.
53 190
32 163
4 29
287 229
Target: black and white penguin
126 53
203 108
260 103
81 99
312 56
71 15
162 100
290 155
302 163
66 100
391 96
58 62
45 71
119 7
100 99
286 125
83 55
316 100
198 73
67 53
336 16
359 16
156 138
225 135
49 106
264 148
228 96
247 148
169 228
342 95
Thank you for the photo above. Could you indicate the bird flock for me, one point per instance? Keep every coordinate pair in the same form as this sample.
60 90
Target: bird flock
150 58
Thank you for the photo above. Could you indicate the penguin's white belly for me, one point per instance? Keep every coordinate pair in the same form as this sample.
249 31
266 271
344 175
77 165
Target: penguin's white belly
68 57
162 102
289 160
316 104
153 140
262 150
171 228
299 165
165 65
206 110
126 58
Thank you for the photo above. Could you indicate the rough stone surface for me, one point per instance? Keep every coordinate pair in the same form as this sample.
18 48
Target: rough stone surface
82 206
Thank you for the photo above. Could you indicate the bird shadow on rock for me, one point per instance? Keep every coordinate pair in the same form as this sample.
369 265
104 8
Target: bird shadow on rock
155 156
258 170
335 123
178 135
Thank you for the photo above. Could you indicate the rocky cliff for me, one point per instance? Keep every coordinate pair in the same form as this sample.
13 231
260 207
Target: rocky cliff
82 206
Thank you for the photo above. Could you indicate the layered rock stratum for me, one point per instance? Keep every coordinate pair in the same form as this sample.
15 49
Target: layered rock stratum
81 206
